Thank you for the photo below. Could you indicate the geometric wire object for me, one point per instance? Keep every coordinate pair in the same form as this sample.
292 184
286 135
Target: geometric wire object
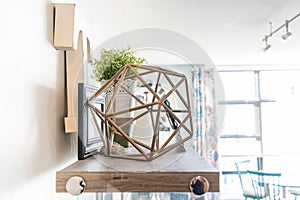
167 97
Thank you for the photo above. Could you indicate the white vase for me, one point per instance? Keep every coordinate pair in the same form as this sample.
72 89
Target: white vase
122 102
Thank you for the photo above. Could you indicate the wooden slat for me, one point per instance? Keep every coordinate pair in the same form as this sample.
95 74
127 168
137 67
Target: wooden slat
64 37
137 182
172 178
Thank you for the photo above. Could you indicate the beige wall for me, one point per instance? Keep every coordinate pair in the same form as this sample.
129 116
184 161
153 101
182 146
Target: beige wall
32 145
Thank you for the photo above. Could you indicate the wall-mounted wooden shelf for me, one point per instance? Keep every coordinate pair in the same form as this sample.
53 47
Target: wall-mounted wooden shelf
174 177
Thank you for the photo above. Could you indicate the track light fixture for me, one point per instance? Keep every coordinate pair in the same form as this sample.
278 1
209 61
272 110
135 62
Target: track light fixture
285 36
267 46
288 34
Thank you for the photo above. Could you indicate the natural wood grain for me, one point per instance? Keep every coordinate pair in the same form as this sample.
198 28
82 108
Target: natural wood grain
137 182
74 61
64 35
172 178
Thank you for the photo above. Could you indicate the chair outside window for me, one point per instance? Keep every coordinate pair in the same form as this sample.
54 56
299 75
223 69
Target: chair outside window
258 184
295 192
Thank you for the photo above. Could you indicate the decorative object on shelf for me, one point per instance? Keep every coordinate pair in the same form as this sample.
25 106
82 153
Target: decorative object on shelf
65 33
116 149
74 60
167 96
105 67
71 35
89 141
111 61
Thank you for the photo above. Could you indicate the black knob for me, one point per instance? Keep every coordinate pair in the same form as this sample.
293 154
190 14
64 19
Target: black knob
199 186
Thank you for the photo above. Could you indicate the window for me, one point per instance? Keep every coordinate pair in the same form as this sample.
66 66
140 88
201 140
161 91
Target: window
261 120
242 125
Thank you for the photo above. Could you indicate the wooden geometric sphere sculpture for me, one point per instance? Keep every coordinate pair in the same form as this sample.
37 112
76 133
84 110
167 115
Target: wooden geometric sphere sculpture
155 121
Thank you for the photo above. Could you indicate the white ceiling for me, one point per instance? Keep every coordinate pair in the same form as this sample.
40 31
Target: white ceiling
229 30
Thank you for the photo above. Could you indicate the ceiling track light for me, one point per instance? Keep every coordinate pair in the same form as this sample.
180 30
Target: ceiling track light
288 34
267 46
285 36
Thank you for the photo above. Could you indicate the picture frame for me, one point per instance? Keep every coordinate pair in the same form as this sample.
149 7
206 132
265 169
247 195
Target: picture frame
89 141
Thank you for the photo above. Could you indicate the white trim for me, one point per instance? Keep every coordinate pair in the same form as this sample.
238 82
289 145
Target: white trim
257 67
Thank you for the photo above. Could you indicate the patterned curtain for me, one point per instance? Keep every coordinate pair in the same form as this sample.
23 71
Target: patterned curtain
205 137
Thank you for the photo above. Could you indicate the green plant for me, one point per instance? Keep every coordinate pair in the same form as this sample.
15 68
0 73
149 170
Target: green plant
113 60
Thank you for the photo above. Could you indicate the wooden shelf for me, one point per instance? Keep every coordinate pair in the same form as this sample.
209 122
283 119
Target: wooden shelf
174 177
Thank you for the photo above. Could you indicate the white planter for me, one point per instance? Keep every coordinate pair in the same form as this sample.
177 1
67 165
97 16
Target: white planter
122 102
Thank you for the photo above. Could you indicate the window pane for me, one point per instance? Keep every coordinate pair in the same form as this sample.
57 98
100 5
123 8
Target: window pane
229 181
238 85
280 121
280 128
239 120
239 147
228 163
282 86
286 164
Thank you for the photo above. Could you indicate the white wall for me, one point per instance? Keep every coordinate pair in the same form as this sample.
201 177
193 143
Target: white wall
32 145
230 31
